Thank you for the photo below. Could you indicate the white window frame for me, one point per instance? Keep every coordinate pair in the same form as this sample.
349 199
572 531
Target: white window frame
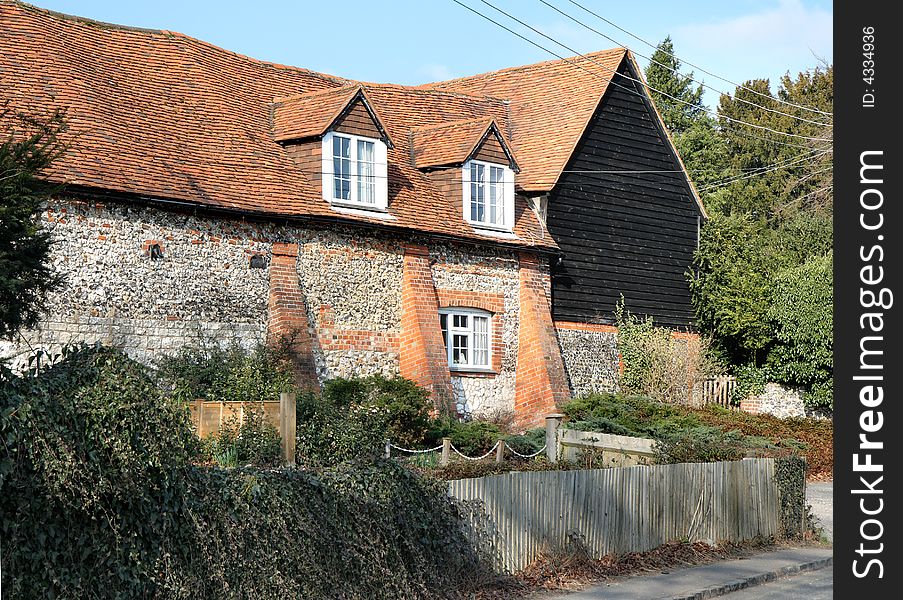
469 334
380 159
507 196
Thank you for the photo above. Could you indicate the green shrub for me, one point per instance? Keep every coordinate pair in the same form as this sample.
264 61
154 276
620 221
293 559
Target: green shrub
700 444
472 438
790 476
255 441
406 404
329 434
227 374
100 499
751 381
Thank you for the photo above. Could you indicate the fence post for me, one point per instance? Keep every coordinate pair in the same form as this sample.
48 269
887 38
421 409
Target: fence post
500 452
388 451
552 423
199 404
446 451
287 426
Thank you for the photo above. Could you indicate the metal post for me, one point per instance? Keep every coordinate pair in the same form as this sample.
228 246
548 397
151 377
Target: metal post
553 421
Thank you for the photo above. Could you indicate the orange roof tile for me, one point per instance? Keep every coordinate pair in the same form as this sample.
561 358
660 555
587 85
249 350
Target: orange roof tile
162 115
551 103
451 143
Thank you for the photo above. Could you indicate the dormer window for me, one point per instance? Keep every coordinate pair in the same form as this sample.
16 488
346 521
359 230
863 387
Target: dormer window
354 171
488 195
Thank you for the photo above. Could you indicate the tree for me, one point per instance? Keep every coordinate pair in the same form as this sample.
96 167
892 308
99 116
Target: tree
695 134
31 145
663 75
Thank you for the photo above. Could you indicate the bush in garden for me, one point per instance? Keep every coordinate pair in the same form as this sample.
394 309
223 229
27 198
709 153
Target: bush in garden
98 498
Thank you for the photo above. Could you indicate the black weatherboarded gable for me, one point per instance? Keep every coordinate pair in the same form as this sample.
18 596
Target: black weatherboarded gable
630 233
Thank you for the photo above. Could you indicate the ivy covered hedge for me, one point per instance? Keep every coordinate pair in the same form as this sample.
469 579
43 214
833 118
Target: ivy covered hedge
99 498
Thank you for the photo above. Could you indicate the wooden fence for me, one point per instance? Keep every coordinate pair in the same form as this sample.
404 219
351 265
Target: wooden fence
719 390
629 509
612 450
209 417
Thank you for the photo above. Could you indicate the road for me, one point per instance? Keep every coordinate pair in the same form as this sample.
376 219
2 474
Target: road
811 585
820 497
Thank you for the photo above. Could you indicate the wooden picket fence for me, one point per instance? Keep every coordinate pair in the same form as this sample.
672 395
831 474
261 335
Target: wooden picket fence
521 515
718 390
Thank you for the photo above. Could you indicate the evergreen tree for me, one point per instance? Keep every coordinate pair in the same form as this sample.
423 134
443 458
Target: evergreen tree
663 75
29 147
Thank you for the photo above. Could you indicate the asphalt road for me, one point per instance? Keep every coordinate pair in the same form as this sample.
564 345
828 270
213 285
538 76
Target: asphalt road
820 497
811 585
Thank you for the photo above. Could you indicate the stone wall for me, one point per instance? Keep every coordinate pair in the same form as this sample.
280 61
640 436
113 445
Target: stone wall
113 292
777 400
352 287
484 279
590 354
203 290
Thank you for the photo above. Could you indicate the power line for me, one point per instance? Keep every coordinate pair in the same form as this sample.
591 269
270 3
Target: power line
739 86
672 69
610 81
762 171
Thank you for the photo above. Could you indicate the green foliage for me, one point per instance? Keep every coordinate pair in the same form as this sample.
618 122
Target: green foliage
802 315
701 444
89 486
29 148
100 500
254 441
406 404
751 381
227 374
472 438
683 434
663 74
790 476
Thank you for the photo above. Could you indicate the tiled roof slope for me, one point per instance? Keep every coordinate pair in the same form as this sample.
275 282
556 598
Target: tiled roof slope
310 114
551 103
165 116
448 143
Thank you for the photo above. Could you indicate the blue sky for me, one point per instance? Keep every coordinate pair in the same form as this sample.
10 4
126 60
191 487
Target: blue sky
410 42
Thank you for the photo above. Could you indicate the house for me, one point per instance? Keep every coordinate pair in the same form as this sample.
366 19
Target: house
473 235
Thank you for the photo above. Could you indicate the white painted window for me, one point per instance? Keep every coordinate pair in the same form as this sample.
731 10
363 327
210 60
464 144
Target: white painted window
488 195
467 334
354 171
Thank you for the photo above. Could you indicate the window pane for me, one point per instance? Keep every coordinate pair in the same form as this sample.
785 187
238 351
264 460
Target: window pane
341 166
460 350
443 323
460 321
497 192
477 192
366 170
481 341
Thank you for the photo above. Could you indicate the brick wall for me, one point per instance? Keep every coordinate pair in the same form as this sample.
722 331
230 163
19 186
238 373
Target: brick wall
541 379
423 357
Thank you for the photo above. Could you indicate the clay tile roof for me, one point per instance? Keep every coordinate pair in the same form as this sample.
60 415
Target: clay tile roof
312 114
550 102
450 143
160 115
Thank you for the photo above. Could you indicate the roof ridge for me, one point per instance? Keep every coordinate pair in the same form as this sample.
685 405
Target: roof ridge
304 95
423 128
420 89
169 33
597 53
